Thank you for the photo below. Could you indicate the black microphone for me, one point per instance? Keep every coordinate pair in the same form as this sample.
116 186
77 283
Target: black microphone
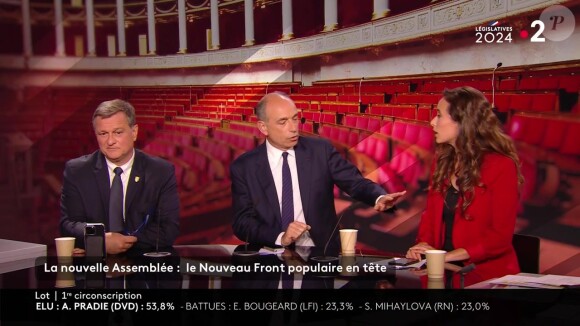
324 258
499 64
466 269
246 252
157 253
360 90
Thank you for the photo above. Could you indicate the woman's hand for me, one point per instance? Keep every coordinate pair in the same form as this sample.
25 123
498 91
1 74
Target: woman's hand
415 251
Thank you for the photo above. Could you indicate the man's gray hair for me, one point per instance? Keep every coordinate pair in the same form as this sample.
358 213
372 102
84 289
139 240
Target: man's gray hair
260 109
109 108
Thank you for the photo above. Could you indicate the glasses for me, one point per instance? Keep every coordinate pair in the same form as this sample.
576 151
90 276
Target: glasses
136 231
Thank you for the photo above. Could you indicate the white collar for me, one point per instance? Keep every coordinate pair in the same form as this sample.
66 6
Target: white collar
125 166
275 152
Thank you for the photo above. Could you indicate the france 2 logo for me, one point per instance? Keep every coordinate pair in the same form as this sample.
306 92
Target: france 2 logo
556 23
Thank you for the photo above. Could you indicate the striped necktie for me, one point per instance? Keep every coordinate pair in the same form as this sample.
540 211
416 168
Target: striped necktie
287 194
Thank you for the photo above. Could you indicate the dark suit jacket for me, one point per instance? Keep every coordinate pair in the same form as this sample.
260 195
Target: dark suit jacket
152 190
255 202
487 236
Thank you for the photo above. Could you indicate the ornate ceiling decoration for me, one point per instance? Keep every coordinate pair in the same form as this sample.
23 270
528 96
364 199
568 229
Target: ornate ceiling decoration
42 11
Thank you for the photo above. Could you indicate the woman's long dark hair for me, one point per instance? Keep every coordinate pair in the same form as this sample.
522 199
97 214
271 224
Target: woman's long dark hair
480 132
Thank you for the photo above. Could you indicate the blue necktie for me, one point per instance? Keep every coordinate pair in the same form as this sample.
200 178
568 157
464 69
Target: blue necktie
116 223
287 194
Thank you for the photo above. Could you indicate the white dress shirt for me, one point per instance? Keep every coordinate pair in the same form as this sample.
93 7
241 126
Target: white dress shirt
124 176
276 160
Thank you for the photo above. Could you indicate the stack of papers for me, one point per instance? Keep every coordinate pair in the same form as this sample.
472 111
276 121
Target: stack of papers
271 251
543 281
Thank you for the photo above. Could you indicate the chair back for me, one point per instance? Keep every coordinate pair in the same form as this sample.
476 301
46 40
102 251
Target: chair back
527 249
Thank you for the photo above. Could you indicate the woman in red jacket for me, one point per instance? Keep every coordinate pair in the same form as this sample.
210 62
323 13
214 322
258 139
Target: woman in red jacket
473 194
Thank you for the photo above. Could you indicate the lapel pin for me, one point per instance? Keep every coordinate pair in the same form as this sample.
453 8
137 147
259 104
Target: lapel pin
137 179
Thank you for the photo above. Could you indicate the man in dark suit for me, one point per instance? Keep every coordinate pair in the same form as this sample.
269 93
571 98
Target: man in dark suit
132 193
283 190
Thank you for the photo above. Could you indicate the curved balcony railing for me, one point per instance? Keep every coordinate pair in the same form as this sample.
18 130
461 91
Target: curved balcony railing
434 20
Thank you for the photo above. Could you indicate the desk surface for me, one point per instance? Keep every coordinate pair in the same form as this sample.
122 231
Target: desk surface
529 280
16 255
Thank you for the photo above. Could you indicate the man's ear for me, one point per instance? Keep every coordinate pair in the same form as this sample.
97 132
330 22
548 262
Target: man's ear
262 127
135 131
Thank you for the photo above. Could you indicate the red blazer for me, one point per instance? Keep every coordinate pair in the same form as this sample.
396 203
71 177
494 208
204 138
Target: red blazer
487 236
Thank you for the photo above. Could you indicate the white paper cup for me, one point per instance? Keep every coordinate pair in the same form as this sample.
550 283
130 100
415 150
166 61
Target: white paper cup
435 263
64 246
348 241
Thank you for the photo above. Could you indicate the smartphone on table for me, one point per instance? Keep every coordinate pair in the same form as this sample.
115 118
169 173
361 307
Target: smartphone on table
95 241
403 262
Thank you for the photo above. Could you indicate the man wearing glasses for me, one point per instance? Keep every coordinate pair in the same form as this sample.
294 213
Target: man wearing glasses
133 194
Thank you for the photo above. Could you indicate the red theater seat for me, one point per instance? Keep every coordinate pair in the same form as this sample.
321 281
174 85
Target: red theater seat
406 165
343 134
311 115
570 83
549 83
544 102
327 117
548 138
367 146
334 132
521 102
303 105
197 160
350 121
424 113
353 139
381 152
180 138
378 110
502 101
406 112
534 131
389 179
362 122
307 127
436 86
516 127
507 85
529 83
571 143
373 124
407 99
387 128
554 135
430 98
484 85
399 129
161 148
412 133
426 138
